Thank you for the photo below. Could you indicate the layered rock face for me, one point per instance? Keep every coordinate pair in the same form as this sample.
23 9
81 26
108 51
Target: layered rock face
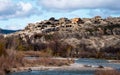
81 33
88 26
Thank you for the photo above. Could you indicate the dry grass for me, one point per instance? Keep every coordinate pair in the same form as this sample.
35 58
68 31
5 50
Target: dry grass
108 72
47 62
16 59
43 59
33 53
12 60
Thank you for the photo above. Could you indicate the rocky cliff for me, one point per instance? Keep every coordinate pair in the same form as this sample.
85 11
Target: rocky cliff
82 34
88 26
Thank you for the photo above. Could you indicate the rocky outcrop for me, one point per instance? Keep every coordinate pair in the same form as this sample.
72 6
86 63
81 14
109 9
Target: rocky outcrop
83 27
91 26
89 34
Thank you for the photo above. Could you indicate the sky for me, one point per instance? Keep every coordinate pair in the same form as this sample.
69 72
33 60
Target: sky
16 14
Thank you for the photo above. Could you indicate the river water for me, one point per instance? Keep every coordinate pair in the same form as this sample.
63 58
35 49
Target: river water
97 62
85 61
55 73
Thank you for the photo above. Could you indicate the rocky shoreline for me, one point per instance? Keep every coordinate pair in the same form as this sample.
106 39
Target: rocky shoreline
64 68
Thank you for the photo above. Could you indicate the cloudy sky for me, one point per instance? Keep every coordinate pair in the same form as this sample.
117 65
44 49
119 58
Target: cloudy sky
16 14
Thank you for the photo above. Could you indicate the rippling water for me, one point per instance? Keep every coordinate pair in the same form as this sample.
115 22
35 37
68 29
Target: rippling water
93 62
55 73
96 62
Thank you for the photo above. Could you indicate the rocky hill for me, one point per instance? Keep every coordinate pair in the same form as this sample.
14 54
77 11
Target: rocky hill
89 35
85 26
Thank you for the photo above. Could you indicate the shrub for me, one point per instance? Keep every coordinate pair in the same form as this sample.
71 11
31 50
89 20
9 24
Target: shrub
2 47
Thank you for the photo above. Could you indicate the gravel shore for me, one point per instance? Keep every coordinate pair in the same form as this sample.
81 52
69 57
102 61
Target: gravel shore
74 66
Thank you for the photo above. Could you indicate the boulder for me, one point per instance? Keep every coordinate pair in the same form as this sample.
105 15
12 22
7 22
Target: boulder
97 20
52 19
76 20
116 31
64 21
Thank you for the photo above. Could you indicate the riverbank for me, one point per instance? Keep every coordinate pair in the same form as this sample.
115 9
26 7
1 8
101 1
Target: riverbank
73 66
114 61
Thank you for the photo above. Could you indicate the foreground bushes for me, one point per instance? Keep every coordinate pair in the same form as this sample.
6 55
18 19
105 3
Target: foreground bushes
55 45
15 59
11 60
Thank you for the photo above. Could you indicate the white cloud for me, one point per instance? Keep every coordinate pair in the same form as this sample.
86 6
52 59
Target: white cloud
79 4
9 9
95 12
25 6
96 7
12 27
2 6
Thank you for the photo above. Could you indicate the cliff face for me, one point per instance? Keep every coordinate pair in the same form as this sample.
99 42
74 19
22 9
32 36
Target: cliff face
94 26
95 34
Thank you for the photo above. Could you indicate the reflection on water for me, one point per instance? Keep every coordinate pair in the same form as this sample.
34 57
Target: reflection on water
93 62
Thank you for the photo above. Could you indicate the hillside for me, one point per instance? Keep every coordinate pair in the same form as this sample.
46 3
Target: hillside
79 37
3 31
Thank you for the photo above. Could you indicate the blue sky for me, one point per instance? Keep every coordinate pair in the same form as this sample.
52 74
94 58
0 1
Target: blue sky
16 14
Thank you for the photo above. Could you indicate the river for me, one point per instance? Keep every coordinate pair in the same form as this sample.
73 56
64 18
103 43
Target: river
85 61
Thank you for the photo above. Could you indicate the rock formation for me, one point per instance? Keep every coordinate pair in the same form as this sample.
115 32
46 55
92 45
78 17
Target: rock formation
95 34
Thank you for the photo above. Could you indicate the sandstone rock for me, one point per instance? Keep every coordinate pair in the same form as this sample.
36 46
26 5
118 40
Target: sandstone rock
76 20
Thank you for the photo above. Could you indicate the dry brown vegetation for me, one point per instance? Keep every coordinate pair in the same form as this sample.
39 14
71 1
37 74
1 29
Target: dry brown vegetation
15 59
34 53
47 62
54 46
42 58
13 51
108 72
11 60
